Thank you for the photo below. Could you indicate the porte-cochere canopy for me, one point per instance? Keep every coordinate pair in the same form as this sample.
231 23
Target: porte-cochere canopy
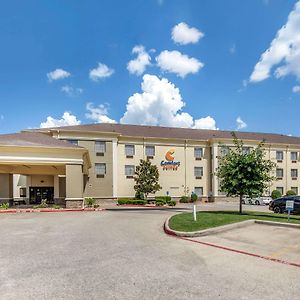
42 158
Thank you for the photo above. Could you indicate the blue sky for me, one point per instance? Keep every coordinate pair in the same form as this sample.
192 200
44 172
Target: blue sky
203 77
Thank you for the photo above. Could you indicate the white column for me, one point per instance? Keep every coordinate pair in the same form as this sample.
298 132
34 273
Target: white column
115 167
56 187
215 182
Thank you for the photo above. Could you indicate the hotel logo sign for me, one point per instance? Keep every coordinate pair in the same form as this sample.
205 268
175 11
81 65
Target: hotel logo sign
170 163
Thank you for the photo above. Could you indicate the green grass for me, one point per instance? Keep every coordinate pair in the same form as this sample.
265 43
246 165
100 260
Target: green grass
208 219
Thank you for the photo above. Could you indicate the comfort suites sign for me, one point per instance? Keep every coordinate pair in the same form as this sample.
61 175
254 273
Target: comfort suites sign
170 163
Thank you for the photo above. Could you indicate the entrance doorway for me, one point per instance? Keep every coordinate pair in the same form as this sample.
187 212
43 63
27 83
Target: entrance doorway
37 194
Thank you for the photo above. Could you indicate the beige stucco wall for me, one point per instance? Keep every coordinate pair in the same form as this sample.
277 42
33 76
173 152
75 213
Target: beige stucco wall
6 187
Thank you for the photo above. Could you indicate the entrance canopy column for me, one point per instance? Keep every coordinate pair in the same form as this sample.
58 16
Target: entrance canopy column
74 186
6 188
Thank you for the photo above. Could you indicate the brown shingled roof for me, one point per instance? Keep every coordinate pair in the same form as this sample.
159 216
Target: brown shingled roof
180 133
33 139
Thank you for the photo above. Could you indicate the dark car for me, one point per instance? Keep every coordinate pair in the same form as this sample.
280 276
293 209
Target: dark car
278 205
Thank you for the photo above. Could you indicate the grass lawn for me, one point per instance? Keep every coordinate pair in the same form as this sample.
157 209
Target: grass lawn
208 219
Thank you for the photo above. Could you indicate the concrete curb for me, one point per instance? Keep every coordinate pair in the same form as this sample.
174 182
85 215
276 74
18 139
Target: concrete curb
224 228
47 210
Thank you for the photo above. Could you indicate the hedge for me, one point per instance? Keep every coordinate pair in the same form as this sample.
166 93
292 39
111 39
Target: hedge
123 201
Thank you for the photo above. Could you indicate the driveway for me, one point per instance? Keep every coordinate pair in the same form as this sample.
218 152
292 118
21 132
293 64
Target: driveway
126 255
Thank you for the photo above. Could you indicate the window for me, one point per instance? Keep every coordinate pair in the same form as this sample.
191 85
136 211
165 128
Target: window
150 151
224 150
279 173
100 148
100 170
294 173
280 189
198 171
129 171
294 156
279 155
198 153
246 150
198 190
294 189
73 142
129 151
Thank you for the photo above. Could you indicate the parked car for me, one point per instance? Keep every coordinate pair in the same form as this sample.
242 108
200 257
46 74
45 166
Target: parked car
264 200
278 205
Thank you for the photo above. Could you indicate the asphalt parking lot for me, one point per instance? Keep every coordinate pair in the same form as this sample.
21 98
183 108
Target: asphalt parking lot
126 255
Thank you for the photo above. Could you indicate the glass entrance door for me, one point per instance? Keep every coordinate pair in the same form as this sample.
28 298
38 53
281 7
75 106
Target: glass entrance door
37 194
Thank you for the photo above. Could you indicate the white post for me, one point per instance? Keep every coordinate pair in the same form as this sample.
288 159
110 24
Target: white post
194 212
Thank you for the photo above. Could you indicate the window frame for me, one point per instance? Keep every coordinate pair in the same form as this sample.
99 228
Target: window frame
100 153
277 155
279 169
197 157
198 187
100 175
197 176
294 152
149 147
296 171
129 175
130 154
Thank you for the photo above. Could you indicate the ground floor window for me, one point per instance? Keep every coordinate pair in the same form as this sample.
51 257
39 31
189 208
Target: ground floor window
198 190
280 189
294 189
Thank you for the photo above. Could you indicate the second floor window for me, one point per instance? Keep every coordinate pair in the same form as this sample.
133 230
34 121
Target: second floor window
100 170
294 173
198 152
150 151
279 155
294 156
198 171
100 147
129 170
129 150
279 173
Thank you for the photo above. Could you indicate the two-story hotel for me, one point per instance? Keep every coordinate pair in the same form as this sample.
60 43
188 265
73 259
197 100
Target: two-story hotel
66 164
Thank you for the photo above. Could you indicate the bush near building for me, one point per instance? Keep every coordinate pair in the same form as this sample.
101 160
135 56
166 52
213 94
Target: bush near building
290 193
275 194
123 201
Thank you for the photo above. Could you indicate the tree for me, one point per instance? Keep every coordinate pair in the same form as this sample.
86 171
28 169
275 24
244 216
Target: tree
244 173
146 178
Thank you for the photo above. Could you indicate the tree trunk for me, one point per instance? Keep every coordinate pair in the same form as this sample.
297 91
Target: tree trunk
241 206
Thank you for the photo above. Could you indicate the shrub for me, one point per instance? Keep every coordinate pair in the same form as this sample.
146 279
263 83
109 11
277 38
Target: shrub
194 197
139 195
172 203
290 193
42 205
275 194
56 206
90 201
124 201
4 206
184 199
160 202
163 198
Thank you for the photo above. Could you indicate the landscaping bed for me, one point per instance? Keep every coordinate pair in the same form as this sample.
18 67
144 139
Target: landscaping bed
209 219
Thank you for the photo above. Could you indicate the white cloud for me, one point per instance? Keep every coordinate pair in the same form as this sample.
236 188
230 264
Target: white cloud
285 49
178 63
70 91
101 72
160 103
58 74
98 113
183 34
138 65
240 124
67 119
296 89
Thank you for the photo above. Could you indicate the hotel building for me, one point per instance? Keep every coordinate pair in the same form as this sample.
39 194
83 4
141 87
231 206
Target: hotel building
66 164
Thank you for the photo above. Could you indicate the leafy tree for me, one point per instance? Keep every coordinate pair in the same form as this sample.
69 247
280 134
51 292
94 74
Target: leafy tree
275 194
290 193
244 173
146 178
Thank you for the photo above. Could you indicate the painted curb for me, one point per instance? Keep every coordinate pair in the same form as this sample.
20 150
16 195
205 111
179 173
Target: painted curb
21 211
208 231
224 228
